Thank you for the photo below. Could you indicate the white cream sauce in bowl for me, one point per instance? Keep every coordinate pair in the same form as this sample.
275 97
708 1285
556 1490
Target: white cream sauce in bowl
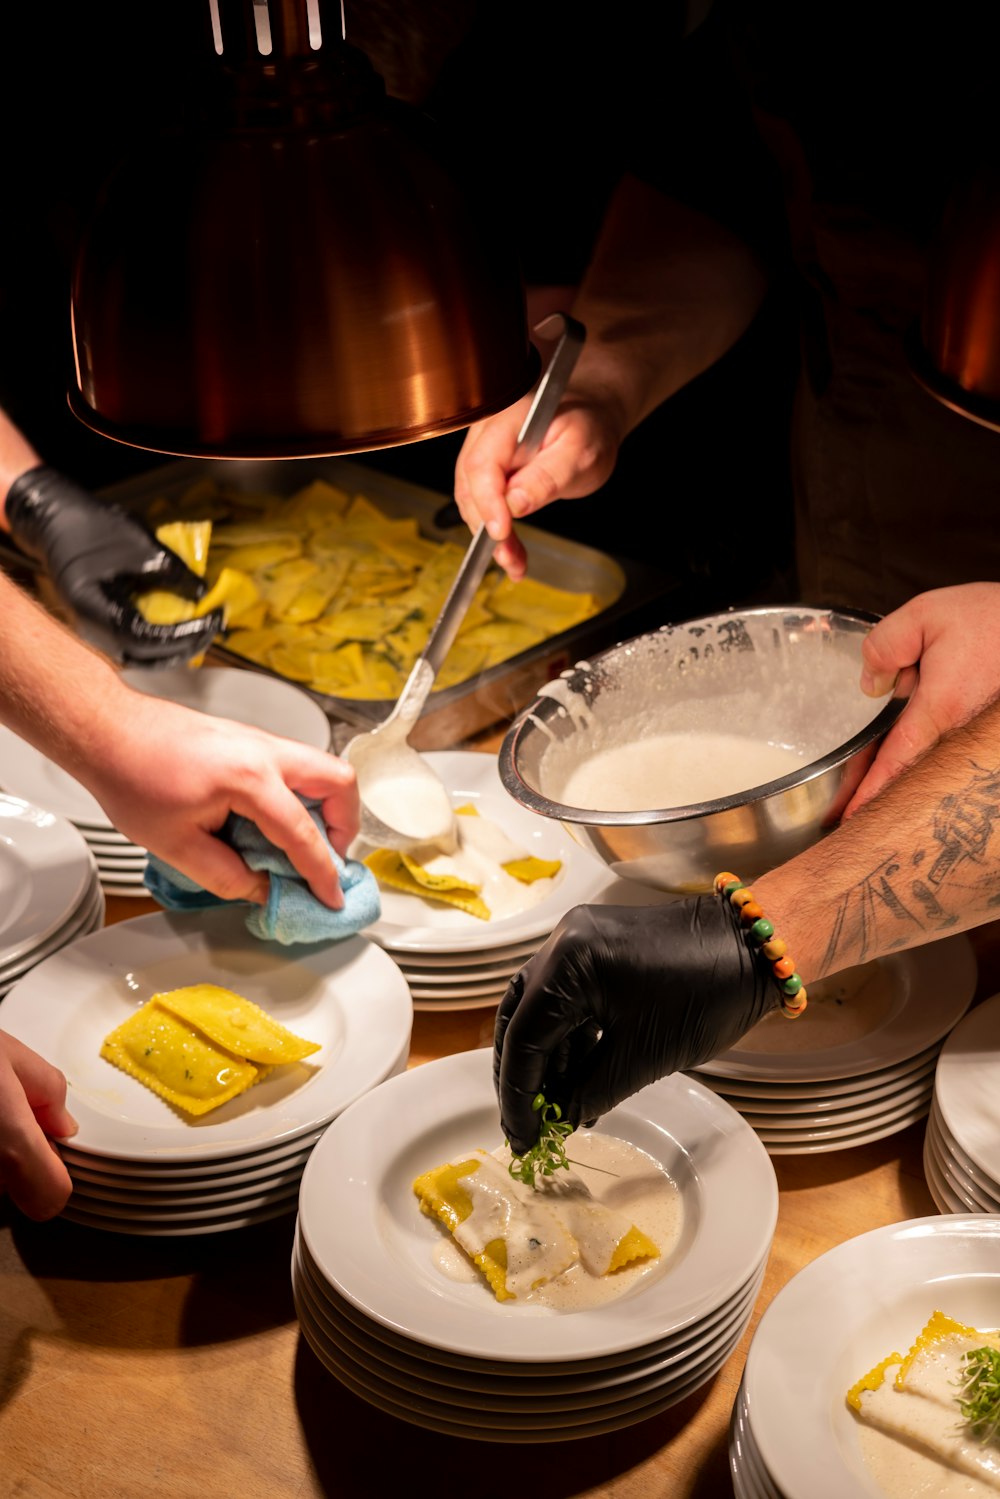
669 770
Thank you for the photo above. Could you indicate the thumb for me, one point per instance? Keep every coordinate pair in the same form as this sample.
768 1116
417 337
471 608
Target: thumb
896 642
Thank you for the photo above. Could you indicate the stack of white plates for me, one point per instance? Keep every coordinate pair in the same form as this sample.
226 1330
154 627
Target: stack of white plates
444 1354
138 1165
962 1143
226 692
454 960
859 1063
793 1435
49 890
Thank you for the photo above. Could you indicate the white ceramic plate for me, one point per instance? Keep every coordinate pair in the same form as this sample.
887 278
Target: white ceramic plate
916 996
795 1136
347 995
972 1198
519 1436
362 1172
945 1199
886 1077
969 1168
26 772
840 1316
125 864
460 978
879 1130
822 1103
438 1006
457 992
802 1124
190 1212
464 965
968 1085
529 1412
177 1190
490 1382
160 1176
87 916
244 696
46 872
750 1479
410 924
114 844
225 1223
564 1373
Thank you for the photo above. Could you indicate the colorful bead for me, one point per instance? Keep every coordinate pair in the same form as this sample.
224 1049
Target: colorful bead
760 933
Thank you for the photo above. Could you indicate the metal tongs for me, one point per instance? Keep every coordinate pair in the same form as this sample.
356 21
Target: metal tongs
365 750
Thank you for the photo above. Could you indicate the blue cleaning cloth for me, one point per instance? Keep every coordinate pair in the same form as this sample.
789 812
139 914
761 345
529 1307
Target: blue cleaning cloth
292 913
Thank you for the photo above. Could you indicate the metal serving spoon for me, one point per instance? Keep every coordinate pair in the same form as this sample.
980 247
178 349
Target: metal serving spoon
404 803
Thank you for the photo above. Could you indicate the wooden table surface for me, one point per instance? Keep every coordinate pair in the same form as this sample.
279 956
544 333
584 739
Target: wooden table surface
134 1367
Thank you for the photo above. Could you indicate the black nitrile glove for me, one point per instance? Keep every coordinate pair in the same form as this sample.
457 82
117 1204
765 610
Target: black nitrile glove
617 997
97 556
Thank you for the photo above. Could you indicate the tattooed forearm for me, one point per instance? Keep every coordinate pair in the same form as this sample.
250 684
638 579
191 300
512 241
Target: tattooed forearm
858 895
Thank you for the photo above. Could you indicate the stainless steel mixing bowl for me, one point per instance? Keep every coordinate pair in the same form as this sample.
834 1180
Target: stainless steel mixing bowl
784 676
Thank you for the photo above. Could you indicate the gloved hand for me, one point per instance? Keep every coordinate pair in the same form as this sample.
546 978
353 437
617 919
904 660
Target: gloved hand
97 556
617 997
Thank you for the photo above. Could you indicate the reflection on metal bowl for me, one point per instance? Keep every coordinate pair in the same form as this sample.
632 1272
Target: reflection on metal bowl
774 681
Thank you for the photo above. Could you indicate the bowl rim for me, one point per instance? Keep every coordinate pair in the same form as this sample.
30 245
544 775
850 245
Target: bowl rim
544 706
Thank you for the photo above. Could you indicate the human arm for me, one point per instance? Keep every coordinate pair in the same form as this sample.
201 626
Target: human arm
168 776
669 989
32 1112
667 292
941 649
97 557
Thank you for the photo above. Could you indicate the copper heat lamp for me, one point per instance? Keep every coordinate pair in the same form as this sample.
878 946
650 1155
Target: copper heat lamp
303 270
956 354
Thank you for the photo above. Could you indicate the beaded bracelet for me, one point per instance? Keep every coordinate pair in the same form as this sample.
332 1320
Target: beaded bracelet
760 934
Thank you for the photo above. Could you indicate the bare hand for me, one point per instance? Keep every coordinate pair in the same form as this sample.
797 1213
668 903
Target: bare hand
941 646
176 775
577 456
32 1112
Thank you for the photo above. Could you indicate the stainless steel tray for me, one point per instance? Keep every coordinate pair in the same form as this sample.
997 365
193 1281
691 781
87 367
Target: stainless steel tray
454 713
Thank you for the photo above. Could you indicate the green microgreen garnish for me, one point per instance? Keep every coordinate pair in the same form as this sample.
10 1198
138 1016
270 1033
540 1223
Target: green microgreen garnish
980 1401
548 1154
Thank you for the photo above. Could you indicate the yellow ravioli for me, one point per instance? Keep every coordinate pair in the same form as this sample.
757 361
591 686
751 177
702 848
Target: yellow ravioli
236 1023
392 869
335 560
531 869
553 1226
442 1197
176 1061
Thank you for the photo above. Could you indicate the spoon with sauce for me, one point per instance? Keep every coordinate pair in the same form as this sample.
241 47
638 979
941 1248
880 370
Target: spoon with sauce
404 803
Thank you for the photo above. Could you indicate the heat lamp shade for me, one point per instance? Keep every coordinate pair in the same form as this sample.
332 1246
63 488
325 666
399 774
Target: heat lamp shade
261 294
956 353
